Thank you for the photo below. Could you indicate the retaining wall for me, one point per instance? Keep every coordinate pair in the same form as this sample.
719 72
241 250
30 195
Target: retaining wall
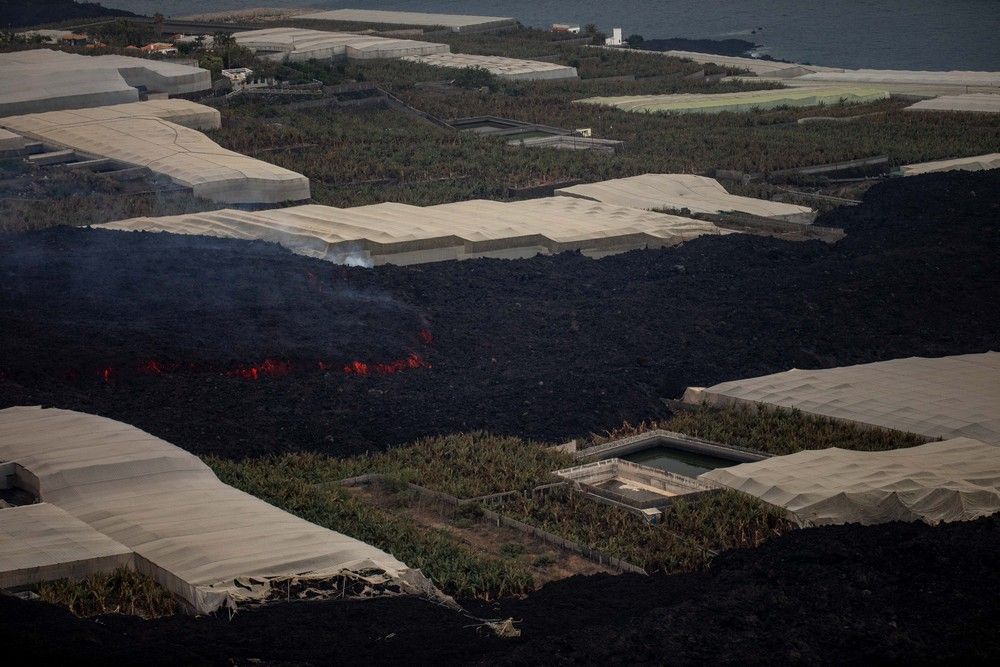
642 441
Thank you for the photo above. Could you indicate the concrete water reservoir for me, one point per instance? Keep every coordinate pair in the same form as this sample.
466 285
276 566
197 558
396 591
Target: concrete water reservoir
631 485
679 461
671 452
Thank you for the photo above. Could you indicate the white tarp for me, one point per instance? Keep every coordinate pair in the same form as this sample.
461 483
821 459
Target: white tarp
180 111
514 69
404 234
759 66
138 134
41 542
298 45
698 194
207 542
457 22
946 397
46 80
742 101
892 77
977 102
954 480
11 142
974 163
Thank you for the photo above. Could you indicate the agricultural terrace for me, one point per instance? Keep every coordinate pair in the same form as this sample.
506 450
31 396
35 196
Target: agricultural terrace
364 156
773 431
120 592
480 464
360 158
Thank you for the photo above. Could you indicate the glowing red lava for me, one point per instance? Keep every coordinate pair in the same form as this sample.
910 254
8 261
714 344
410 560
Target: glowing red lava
413 360
272 368
267 368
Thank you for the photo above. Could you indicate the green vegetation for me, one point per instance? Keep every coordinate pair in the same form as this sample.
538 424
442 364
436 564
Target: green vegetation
368 156
464 465
565 49
478 464
455 568
122 33
356 158
121 592
775 431
714 521
359 158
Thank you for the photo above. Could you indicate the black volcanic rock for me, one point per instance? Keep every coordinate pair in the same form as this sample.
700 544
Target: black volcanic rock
549 348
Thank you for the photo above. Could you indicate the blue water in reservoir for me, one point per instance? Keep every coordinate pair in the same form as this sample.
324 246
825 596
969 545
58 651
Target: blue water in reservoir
892 34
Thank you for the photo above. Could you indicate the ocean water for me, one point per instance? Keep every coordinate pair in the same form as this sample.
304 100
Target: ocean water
897 34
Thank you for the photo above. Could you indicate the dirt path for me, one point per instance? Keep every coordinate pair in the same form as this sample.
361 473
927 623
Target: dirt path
545 562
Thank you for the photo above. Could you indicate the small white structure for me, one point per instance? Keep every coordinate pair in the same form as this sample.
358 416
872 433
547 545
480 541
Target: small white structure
615 39
237 75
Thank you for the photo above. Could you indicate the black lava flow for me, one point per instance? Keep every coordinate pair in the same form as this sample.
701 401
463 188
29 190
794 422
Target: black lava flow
548 348
846 595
